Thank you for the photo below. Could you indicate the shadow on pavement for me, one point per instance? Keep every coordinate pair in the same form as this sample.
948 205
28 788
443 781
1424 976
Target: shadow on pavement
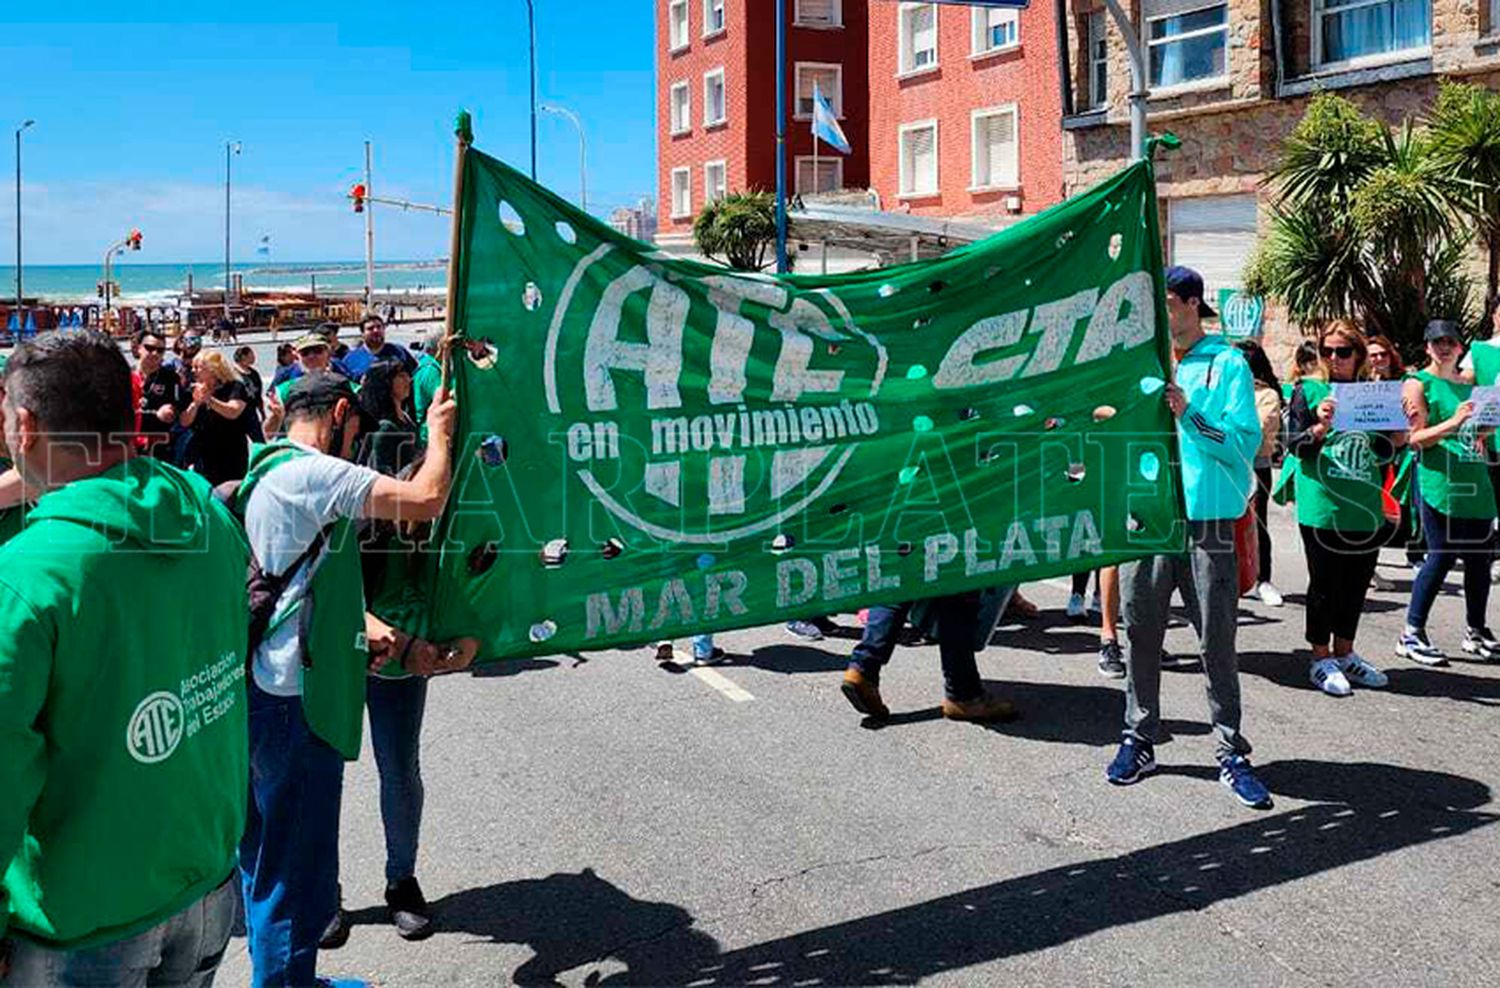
1361 812
569 920
511 667
1410 680
790 660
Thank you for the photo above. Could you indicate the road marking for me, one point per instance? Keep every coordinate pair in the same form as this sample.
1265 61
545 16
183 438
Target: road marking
714 678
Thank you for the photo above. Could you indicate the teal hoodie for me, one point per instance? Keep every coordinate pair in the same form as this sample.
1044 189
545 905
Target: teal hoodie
1219 431
123 727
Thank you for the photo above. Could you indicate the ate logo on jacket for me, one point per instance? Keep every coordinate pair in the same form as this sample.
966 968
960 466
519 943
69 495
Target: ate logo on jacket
164 718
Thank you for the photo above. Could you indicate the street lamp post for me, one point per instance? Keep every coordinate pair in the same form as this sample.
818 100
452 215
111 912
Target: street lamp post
231 148
19 296
583 161
531 29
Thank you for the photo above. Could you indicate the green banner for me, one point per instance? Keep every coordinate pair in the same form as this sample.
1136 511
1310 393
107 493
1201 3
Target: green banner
653 447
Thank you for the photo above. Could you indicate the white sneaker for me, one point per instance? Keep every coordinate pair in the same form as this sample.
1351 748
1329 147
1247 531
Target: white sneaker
1076 609
1268 594
1383 584
1328 677
1361 673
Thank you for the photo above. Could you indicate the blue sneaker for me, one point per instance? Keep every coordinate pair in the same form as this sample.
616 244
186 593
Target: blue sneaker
1236 773
1135 759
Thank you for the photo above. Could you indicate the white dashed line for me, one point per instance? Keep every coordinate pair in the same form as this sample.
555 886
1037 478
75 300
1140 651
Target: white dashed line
715 679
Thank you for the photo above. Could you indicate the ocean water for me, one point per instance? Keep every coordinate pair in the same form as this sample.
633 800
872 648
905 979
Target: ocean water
157 284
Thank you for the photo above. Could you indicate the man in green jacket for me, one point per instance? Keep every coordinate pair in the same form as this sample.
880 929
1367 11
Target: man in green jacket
124 766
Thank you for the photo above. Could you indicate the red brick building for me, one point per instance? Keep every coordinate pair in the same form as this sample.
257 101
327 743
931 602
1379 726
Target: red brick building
964 109
716 112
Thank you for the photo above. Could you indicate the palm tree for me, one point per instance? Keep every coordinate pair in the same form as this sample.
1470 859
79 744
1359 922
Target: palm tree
738 228
1465 135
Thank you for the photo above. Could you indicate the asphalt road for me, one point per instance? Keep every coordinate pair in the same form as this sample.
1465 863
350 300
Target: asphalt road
613 822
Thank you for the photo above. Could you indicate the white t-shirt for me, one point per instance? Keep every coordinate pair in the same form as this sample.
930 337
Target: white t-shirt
287 509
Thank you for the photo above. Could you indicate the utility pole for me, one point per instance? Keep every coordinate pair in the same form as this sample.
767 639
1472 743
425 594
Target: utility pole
19 295
781 260
369 239
531 28
231 148
583 162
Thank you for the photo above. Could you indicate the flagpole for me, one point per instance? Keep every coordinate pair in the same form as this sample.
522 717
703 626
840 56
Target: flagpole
463 128
781 258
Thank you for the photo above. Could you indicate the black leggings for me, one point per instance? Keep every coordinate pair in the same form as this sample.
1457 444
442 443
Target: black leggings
1262 502
1339 567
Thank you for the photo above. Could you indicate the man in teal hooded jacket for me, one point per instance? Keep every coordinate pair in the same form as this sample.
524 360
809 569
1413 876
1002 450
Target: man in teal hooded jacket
124 774
1218 431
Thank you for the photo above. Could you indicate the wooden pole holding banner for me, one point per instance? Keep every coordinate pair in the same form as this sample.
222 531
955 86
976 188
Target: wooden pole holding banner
463 130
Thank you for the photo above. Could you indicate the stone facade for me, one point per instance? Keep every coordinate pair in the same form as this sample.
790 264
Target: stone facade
1232 131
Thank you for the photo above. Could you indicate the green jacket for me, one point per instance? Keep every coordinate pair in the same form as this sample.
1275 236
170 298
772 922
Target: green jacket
424 385
125 749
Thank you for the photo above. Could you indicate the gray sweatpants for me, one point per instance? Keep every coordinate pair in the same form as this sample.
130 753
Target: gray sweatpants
1207 577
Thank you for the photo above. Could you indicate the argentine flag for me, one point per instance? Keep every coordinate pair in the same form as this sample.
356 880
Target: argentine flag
825 123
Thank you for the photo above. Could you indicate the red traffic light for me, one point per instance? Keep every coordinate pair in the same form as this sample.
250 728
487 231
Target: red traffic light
134 240
357 193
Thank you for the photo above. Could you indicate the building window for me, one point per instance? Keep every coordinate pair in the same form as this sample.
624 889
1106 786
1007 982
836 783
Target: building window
715 181
996 161
1098 58
919 158
1187 45
830 80
1214 235
1348 30
819 13
917 31
827 175
715 110
682 193
681 108
677 25
995 29
713 17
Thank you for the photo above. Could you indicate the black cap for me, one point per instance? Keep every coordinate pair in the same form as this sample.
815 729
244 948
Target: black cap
1442 329
1186 283
319 391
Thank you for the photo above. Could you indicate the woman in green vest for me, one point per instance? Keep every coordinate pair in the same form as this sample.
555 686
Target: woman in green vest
1340 484
1457 501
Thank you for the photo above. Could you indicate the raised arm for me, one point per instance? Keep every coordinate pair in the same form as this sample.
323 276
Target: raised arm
421 498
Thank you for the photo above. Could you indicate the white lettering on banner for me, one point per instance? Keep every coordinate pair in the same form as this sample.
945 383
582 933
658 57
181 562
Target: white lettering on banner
660 357
1124 317
835 576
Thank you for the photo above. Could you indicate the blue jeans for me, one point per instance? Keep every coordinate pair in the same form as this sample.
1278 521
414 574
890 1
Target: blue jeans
396 707
184 951
956 616
1450 539
289 856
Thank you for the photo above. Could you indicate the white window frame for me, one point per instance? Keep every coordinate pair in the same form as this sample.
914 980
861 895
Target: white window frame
708 103
1376 58
709 31
687 196
979 30
904 54
834 25
822 160
709 193
835 98
684 125
904 189
1098 21
1148 43
674 42
1013 181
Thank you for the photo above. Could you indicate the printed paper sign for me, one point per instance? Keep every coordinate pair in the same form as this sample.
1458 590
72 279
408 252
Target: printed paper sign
1371 406
1486 406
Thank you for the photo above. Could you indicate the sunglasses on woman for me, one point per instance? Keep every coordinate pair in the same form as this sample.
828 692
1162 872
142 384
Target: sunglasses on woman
1341 352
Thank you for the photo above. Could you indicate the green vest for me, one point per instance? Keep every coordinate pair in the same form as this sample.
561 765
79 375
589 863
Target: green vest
1486 360
334 649
1452 474
1340 482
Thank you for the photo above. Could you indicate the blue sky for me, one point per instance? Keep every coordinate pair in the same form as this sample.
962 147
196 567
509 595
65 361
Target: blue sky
132 117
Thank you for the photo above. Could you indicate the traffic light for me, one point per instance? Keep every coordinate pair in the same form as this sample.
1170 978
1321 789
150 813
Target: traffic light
134 240
357 193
